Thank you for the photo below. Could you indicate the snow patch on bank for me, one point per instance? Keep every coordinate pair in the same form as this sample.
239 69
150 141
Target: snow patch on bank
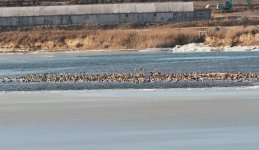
201 47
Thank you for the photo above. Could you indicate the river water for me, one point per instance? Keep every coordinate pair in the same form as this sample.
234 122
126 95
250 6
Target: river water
128 62
124 62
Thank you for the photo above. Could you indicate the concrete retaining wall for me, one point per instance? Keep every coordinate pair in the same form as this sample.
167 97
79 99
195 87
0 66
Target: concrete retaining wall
139 13
97 9
202 14
137 18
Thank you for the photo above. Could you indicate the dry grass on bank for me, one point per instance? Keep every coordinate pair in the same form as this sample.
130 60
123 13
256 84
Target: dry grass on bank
96 39
118 39
234 36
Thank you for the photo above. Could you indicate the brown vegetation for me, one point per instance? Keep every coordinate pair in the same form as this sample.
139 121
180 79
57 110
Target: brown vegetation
53 39
96 39
233 36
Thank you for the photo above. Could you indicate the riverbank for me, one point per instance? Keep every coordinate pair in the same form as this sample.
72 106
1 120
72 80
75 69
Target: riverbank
67 40
55 40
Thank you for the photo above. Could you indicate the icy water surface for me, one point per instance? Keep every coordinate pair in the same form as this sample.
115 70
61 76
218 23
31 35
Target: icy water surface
165 119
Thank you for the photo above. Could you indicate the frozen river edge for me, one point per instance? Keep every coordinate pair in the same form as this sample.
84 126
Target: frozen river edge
222 118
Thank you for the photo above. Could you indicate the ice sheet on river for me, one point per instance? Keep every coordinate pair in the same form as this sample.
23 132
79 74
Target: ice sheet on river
181 119
201 47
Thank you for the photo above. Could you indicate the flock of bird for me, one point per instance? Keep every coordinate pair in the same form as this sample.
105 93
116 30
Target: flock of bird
152 77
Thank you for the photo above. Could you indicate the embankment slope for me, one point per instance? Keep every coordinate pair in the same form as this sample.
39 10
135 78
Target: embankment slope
118 38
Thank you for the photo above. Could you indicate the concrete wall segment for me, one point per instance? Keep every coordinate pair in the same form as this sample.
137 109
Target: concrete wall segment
96 9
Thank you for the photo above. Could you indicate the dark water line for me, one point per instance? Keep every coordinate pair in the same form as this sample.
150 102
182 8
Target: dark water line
95 86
